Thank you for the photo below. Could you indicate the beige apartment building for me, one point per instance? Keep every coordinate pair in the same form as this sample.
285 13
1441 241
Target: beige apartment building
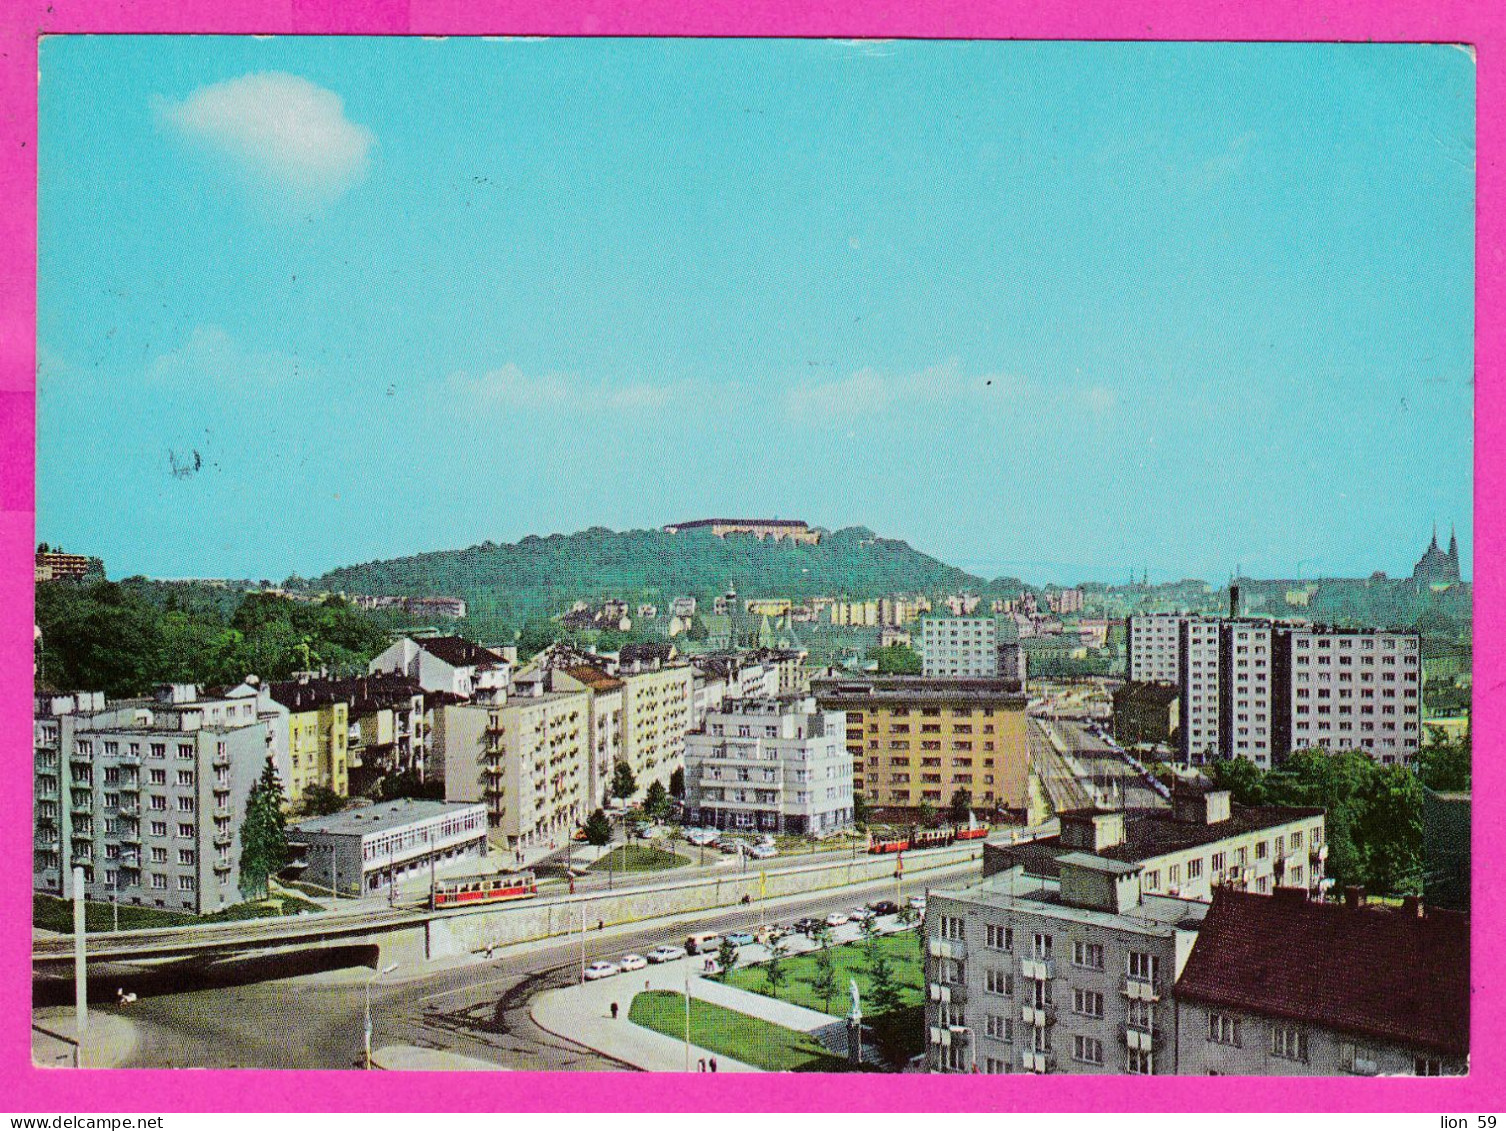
534 770
657 704
916 741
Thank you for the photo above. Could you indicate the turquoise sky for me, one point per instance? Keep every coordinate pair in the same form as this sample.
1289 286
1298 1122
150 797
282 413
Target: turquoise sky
1055 310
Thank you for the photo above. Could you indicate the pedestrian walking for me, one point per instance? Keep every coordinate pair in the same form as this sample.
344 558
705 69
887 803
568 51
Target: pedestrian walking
614 1011
701 1066
712 1062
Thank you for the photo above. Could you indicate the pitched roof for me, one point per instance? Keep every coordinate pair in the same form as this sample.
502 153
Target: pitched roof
594 678
459 652
1381 973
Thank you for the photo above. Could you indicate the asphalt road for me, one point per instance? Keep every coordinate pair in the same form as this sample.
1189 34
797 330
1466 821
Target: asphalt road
478 1010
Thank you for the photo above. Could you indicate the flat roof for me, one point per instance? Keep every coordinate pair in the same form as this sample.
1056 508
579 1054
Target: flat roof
1010 890
383 817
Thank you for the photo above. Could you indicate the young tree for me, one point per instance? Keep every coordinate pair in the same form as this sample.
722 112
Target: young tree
824 981
264 836
927 815
598 829
861 810
774 971
883 989
656 802
677 783
624 784
726 956
869 936
961 807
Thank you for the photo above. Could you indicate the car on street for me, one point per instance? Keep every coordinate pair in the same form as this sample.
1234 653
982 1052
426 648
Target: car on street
666 953
740 938
807 926
862 914
631 962
600 970
884 907
837 918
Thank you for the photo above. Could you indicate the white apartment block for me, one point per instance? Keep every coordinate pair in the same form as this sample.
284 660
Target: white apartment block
1349 690
778 766
1071 974
965 647
1199 685
147 795
1246 726
1154 644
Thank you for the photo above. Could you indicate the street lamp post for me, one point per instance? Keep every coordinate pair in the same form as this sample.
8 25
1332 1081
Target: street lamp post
687 1017
367 1027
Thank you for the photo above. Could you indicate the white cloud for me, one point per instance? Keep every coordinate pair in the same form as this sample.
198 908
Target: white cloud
1098 400
869 392
290 132
212 355
510 387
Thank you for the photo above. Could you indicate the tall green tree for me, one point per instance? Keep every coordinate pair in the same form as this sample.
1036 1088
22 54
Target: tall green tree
774 971
656 800
1443 765
598 829
726 955
320 801
961 807
677 783
824 978
264 834
897 659
624 784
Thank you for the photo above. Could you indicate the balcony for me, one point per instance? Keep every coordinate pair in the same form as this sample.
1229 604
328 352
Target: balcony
940 993
1142 1040
945 1035
1037 1061
222 865
220 760
131 834
1038 969
223 840
1038 1015
46 838
132 785
948 948
1141 991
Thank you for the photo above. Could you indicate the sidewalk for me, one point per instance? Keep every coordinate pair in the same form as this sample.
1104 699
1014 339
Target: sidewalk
583 1014
109 1043
411 1058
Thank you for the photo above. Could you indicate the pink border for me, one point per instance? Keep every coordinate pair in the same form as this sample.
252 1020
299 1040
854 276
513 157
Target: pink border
1481 23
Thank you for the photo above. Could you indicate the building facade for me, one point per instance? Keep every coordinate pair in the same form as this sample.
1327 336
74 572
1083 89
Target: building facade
148 795
366 851
778 766
959 647
1154 643
1146 714
318 727
916 741
761 528
1280 986
657 703
1071 974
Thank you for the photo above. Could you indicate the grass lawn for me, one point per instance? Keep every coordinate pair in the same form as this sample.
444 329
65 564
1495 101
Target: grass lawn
729 1033
637 858
849 961
52 914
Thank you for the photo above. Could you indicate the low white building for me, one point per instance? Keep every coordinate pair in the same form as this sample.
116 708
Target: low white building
771 765
371 849
450 664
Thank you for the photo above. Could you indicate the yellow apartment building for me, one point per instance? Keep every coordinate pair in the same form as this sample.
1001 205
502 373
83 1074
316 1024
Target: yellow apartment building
917 741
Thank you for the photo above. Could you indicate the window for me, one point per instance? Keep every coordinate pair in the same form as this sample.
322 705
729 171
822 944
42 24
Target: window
1140 1015
1087 954
159 828
185 856
185 777
185 883
1088 1050
999 1028
1000 938
1288 1042
995 1067
1427 1066
1140 1063
1194 869
951 927
159 856
157 777
1223 1029
1088 1003
159 882
185 830
1262 849
1141 967
998 982
1043 946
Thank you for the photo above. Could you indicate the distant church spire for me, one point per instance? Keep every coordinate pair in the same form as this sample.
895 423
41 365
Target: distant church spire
1434 544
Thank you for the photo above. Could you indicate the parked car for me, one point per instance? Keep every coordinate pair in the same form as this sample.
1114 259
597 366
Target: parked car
666 953
884 907
740 938
763 851
600 970
631 962
768 934
807 926
837 918
862 914
732 847
703 942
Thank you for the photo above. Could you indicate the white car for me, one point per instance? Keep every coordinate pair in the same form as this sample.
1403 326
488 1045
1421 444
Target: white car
600 970
665 953
861 914
837 918
629 962
763 851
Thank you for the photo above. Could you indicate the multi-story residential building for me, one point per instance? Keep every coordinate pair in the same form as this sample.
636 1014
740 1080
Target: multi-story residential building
318 728
54 565
367 850
1281 986
1070 974
1012 662
965 647
743 674
1245 712
1347 689
606 723
534 772
1202 844
451 664
1154 642
147 795
791 677
775 765
1064 601
657 702
916 741
859 614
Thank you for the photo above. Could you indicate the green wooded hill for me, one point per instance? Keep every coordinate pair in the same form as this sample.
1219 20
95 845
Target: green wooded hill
514 582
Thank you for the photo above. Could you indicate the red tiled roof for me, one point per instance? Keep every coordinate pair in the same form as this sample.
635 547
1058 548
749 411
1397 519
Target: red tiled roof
594 678
459 652
1375 972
